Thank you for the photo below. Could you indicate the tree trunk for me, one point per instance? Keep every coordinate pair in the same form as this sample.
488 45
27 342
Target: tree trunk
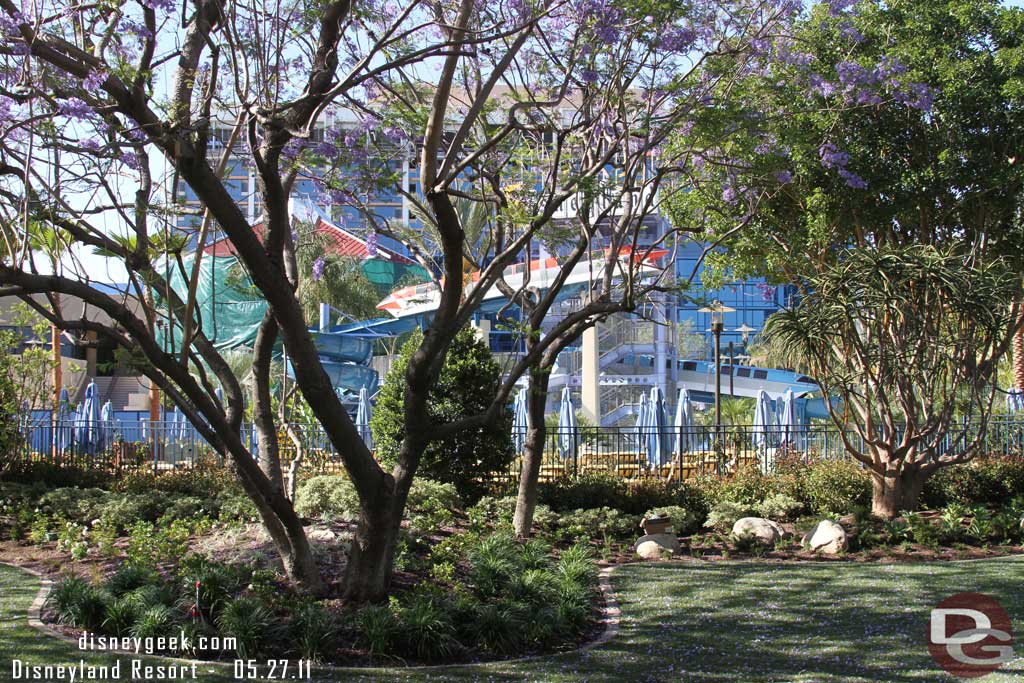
533 452
1018 358
283 525
896 490
372 557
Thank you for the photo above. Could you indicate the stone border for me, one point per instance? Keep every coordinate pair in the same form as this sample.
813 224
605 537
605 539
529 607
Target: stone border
610 616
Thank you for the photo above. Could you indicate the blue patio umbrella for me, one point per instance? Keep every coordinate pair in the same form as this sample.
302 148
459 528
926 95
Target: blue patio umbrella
683 425
520 420
105 427
63 435
787 421
657 445
641 424
764 420
85 422
567 429
363 413
1015 401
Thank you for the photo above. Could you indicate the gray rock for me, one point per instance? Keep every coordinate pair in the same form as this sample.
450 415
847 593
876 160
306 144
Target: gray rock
765 531
829 538
654 546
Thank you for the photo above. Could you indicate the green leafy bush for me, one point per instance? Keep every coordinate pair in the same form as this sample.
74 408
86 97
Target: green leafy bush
837 487
469 379
589 490
327 496
74 504
780 507
983 481
427 630
600 523
378 628
748 486
724 515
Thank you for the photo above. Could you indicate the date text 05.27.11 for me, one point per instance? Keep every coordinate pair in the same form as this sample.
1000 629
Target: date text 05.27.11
272 669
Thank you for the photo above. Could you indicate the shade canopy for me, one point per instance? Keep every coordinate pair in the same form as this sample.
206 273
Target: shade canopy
656 429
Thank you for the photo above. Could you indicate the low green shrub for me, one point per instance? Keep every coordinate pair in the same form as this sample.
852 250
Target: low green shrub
983 481
780 507
724 515
684 521
600 523
589 490
74 504
427 630
378 628
327 496
747 487
837 487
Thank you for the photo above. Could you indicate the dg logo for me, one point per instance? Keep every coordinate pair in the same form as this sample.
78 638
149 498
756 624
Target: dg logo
970 635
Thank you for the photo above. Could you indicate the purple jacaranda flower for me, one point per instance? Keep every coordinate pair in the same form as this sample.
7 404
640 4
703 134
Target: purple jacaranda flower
832 157
589 76
75 108
784 177
677 39
371 244
95 80
920 97
852 179
91 145
852 74
318 268
821 86
837 7
866 97
729 194
849 32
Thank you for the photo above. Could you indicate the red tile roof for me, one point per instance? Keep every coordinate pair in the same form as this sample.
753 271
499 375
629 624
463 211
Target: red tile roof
338 241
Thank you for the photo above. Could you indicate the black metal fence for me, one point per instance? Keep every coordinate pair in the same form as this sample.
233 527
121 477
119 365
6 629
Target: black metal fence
627 452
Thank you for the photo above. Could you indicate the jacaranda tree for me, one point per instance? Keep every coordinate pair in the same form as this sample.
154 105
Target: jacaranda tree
111 113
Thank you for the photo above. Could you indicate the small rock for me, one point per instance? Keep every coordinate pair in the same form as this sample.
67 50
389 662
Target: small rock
764 530
829 538
653 546
322 535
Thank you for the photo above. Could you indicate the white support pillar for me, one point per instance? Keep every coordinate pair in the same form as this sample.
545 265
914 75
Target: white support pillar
325 317
590 371
483 330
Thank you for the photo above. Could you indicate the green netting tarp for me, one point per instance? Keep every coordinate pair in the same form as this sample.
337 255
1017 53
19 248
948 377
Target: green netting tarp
229 309
385 275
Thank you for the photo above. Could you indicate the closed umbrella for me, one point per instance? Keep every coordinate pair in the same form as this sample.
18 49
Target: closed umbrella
63 429
177 426
787 421
566 425
683 422
657 426
764 421
363 413
520 421
105 427
641 424
85 424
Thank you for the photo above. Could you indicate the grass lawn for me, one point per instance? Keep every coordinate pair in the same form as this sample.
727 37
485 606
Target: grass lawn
723 622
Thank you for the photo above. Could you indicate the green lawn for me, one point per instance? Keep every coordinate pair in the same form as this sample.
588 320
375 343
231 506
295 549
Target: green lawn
710 622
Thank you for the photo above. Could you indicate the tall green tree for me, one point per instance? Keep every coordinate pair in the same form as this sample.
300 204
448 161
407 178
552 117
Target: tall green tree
466 386
892 123
903 336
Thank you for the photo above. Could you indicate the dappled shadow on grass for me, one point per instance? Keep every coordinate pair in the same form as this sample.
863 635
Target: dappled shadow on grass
720 622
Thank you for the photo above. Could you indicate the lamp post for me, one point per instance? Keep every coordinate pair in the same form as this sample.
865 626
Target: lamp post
745 330
717 310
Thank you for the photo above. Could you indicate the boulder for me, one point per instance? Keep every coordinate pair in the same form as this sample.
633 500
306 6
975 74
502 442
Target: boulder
765 531
654 546
829 538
